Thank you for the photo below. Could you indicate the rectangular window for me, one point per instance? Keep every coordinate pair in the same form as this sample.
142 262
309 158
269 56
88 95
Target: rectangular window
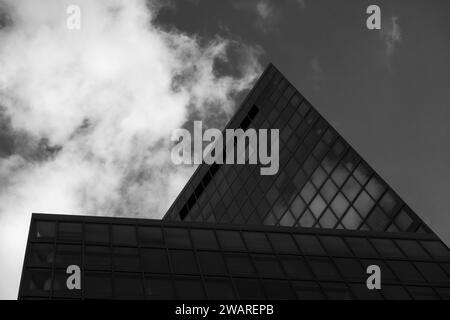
98 285
126 259
204 239
159 288
45 230
154 260
124 235
150 236
177 238
70 231
183 262
96 232
189 288
128 286
98 258
219 288
211 263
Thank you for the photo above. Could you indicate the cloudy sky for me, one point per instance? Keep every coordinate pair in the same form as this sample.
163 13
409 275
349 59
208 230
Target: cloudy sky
86 115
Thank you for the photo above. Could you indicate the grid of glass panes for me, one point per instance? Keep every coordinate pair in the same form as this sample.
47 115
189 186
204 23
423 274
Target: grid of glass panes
199 261
322 182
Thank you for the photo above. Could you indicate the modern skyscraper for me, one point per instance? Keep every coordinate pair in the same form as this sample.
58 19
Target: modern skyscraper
309 232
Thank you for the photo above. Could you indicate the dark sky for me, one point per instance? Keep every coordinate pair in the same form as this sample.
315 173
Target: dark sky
386 91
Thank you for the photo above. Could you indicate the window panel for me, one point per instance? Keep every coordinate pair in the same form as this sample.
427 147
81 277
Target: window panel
204 239
278 290
189 288
159 287
296 267
41 254
283 243
98 285
387 248
177 237
412 249
335 246
422 293
361 247
375 188
389 202
219 288
248 289
437 249
339 205
256 241
351 188
363 204
154 260
38 281
362 293
150 236
96 232
70 231
351 220
323 268
378 220
45 230
128 286
405 271
126 259
432 272
211 263
97 258
328 220
317 206
306 290
183 262
239 264
351 269
336 291
267 266
124 235
328 190
67 255
309 244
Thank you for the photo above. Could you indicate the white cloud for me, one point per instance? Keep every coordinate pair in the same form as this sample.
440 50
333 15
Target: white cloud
391 36
109 96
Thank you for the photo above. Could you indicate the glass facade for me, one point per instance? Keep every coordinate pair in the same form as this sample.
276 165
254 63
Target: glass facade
124 258
308 232
322 182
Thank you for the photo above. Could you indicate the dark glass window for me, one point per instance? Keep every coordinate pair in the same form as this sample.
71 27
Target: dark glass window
437 249
211 263
150 236
96 232
126 259
128 286
309 244
361 247
256 241
422 293
387 248
124 235
239 264
405 271
412 249
336 291
432 272
45 230
306 290
41 255
219 288
392 292
248 289
183 262
295 267
154 260
351 269
362 293
67 255
283 243
98 285
335 246
177 238
189 288
278 290
38 281
70 231
204 239
97 258
159 287
267 266
323 268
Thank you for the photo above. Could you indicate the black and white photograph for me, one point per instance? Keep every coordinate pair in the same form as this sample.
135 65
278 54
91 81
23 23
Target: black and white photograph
224 157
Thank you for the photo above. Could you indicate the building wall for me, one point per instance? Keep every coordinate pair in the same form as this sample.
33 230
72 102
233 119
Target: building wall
124 258
322 182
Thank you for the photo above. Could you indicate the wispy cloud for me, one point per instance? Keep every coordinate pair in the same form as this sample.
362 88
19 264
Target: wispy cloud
87 115
391 37
316 72
266 13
